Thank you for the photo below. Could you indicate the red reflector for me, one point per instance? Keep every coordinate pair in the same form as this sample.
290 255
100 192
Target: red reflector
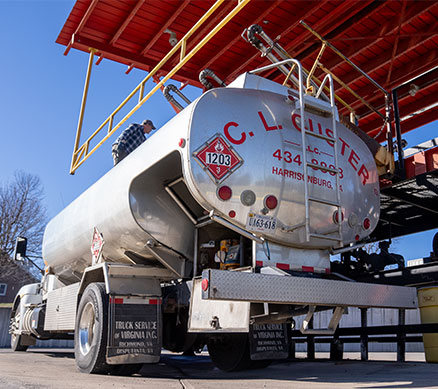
366 223
204 284
336 217
154 301
271 202
224 193
357 237
232 214
116 300
182 142
283 266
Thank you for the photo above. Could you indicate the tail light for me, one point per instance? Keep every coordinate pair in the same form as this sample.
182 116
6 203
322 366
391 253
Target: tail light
366 223
270 202
336 217
224 193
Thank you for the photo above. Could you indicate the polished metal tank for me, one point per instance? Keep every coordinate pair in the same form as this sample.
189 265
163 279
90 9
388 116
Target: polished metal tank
129 206
263 131
246 139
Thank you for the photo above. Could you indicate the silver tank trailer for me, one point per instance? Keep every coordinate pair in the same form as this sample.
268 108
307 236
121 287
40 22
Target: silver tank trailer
243 139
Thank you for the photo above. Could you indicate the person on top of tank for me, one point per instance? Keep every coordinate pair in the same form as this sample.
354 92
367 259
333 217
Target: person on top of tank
130 139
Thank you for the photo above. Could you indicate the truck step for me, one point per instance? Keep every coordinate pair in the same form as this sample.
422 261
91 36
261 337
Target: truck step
323 168
324 201
320 136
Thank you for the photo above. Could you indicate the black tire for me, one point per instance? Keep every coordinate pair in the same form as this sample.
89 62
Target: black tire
126 370
230 352
175 335
260 364
435 244
16 340
16 343
91 330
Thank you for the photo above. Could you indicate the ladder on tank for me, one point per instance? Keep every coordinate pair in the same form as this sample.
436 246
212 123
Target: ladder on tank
330 109
335 235
271 52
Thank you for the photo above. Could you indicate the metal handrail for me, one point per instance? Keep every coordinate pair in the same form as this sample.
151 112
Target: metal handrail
296 63
329 78
364 102
386 117
82 153
325 42
335 148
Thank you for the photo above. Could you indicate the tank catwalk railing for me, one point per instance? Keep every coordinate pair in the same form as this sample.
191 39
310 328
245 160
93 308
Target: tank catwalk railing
82 153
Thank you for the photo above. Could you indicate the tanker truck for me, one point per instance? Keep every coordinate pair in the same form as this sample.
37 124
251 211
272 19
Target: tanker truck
216 231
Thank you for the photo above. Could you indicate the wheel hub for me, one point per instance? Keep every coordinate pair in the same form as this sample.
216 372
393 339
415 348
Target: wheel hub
86 328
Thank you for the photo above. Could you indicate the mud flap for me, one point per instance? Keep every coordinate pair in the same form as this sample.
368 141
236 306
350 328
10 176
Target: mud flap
268 341
134 333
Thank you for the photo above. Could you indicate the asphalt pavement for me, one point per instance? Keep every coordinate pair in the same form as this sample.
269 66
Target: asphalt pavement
54 368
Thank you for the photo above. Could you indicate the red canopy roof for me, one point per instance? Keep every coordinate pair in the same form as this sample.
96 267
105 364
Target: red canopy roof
393 41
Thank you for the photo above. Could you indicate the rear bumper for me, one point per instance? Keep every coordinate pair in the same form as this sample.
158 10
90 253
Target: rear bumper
282 289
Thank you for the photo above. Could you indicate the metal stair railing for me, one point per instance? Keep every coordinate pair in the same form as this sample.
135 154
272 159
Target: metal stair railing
83 152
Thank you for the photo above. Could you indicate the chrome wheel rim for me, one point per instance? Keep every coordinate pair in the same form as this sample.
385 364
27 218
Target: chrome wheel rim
86 328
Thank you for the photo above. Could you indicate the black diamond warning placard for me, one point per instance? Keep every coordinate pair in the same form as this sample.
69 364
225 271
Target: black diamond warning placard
218 158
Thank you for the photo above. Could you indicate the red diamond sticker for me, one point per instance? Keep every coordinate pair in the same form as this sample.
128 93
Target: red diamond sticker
96 246
218 158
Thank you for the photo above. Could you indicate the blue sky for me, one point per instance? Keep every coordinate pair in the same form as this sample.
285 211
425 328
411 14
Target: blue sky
40 97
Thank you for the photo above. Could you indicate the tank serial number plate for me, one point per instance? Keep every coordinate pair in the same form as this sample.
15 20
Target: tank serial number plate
261 223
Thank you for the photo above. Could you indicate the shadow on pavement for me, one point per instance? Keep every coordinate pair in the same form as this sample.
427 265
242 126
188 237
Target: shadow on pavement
54 353
301 372
375 374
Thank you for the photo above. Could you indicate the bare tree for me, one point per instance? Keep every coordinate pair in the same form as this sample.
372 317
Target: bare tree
21 214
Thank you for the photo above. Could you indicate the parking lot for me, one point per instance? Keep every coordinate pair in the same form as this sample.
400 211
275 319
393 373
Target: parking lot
55 368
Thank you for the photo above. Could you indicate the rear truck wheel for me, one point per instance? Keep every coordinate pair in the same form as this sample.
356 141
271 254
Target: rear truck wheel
16 339
16 343
230 352
176 337
435 244
91 330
